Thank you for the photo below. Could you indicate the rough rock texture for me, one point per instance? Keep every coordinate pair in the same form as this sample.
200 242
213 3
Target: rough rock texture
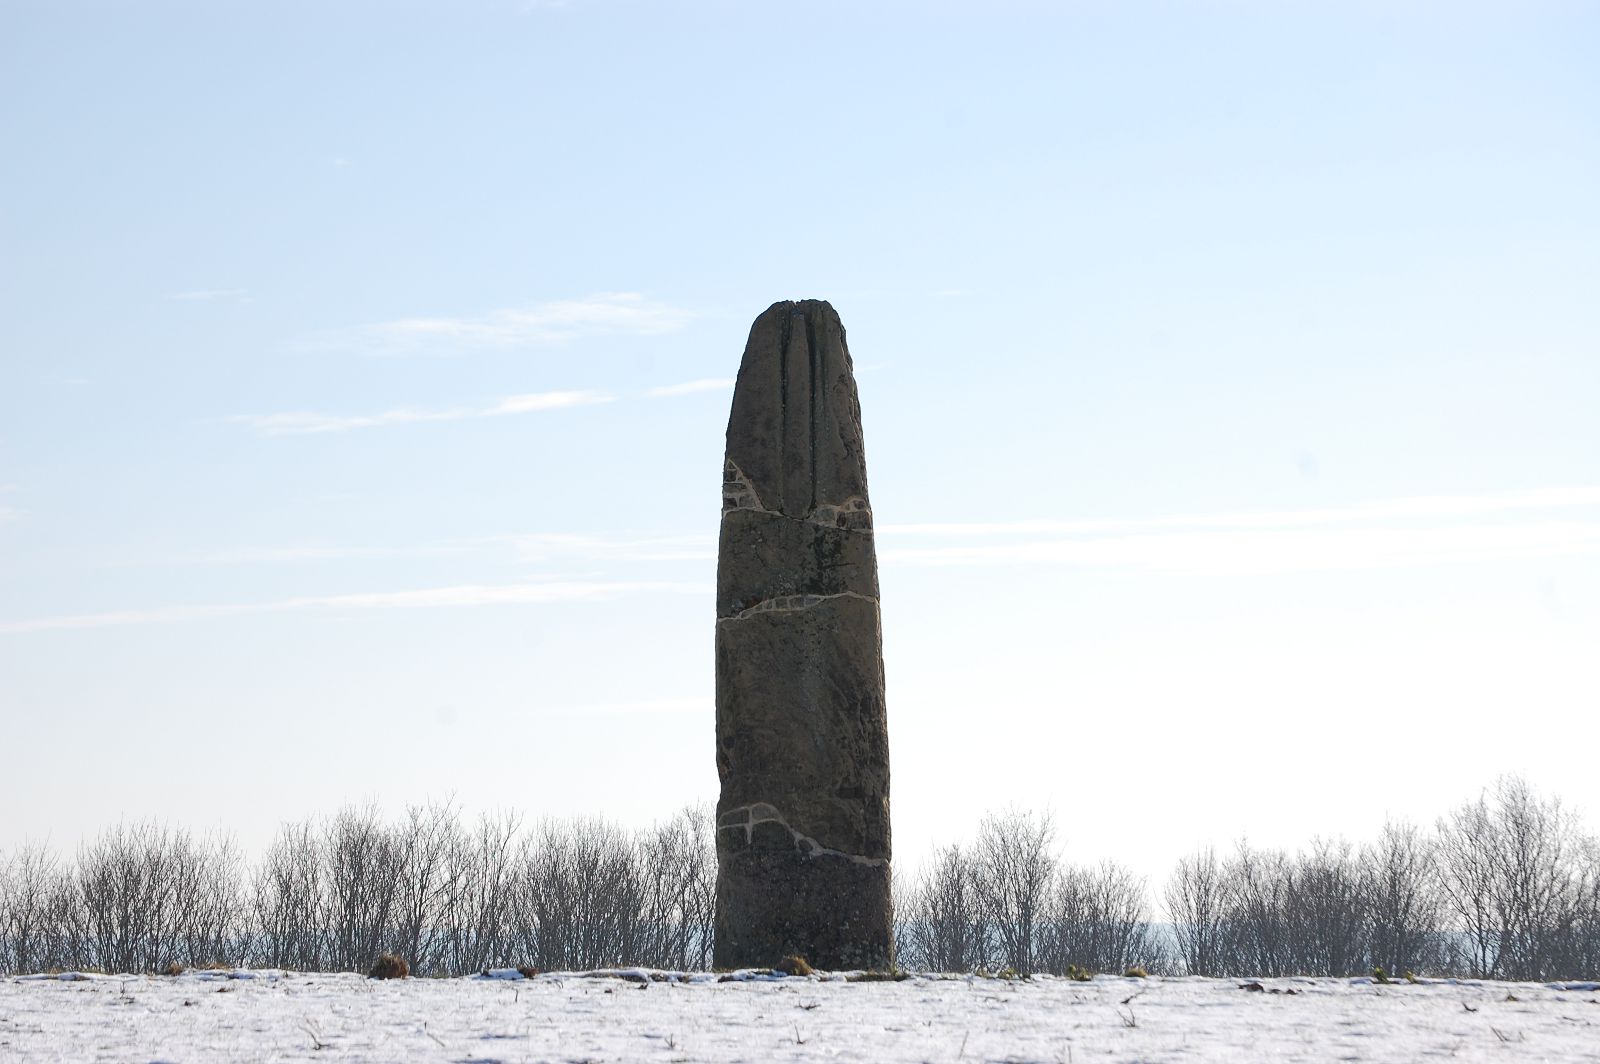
802 737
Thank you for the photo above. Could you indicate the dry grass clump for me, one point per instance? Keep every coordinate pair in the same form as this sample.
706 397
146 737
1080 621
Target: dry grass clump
794 965
893 975
390 966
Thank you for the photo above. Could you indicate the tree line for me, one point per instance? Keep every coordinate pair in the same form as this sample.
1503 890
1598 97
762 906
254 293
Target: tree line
1503 887
450 897
1506 886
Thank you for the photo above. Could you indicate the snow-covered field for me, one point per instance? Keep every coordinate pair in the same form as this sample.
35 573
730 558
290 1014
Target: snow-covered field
638 1016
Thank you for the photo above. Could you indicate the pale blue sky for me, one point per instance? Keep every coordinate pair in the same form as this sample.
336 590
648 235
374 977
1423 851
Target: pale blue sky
1229 374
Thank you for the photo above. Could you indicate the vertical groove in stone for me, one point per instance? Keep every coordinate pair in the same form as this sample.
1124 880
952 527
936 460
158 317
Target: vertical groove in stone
782 457
803 840
814 377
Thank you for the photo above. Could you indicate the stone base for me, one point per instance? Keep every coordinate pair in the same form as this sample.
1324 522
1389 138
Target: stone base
830 911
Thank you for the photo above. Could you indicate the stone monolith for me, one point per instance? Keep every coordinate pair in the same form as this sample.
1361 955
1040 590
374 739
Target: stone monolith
802 736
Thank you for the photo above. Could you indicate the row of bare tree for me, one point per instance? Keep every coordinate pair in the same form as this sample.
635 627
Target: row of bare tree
1507 886
333 895
1008 902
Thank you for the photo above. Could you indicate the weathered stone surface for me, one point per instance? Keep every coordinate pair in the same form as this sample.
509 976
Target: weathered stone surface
802 737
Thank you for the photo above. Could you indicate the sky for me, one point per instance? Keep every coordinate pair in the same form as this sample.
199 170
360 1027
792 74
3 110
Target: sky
1228 374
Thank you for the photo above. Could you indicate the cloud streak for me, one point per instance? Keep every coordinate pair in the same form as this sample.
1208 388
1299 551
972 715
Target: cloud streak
642 707
1418 531
425 598
204 295
302 423
1422 530
544 548
323 552
705 384
544 324
1415 508
1279 550
1414 532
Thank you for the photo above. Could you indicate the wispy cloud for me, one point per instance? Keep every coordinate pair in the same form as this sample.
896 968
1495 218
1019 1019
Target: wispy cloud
552 547
299 423
425 598
642 707
1423 530
201 295
536 548
323 552
705 384
1418 507
557 322
1241 551
1397 532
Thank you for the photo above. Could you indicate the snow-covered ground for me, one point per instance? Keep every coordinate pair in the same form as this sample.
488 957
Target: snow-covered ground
638 1016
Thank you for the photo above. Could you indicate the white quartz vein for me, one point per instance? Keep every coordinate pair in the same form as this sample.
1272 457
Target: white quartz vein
746 817
792 604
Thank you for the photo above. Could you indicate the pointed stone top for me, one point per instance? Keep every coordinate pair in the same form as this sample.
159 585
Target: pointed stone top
794 434
803 306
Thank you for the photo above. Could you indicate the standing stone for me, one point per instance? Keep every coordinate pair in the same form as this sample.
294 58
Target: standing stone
802 735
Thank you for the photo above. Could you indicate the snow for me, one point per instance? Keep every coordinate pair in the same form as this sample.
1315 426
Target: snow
640 1015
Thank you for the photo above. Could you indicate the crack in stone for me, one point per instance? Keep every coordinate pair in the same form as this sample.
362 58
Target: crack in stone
746 817
792 604
738 493
853 513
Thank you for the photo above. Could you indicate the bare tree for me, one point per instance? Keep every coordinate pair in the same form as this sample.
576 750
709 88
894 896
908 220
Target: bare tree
150 896
582 895
1513 871
1466 845
208 910
678 870
287 901
943 922
476 918
1326 911
421 847
361 874
38 912
1015 870
1260 882
1580 952
1405 906
1538 878
1097 921
126 885
1199 899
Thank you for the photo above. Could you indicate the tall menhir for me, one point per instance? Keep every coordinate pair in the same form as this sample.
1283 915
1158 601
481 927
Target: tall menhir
802 735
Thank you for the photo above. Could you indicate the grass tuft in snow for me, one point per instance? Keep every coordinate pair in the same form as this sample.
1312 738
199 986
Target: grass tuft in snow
390 966
794 965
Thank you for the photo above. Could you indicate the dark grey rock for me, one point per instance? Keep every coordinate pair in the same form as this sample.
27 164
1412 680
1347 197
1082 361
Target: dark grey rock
802 736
